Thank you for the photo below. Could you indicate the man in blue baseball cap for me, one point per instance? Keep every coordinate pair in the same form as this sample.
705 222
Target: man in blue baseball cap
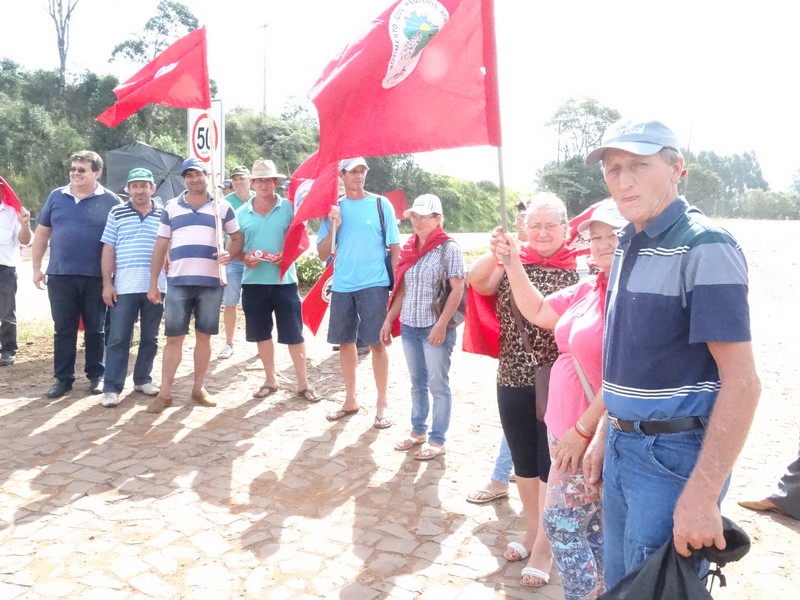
128 241
679 378
188 232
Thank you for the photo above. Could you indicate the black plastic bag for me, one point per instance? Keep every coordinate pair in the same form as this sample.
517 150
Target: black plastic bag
667 575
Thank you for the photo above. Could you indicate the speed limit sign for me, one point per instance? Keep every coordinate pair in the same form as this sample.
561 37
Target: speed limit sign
203 134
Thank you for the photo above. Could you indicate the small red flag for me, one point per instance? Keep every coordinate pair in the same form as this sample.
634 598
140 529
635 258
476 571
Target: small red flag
318 299
398 200
8 196
177 77
423 77
313 199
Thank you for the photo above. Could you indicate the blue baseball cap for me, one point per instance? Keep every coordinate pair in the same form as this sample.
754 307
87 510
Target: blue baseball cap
193 163
637 137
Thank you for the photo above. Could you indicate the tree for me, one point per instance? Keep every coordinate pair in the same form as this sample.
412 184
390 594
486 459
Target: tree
576 184
61 13
580 124
172 21
795 187
738 173
704 189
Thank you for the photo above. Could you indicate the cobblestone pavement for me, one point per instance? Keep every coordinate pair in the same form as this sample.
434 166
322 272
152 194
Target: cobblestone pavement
266 499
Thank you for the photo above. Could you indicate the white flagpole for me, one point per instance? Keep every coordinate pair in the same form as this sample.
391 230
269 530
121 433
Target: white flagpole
212 144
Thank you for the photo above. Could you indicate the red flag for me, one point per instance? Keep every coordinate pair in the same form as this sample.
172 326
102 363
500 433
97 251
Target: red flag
423 77
176 77
8 196
313 199
318 299
398 200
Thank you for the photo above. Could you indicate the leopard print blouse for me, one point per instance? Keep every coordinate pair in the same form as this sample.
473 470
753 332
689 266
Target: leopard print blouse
515 368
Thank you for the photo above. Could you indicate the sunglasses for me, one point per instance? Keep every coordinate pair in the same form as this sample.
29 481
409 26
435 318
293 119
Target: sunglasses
80 170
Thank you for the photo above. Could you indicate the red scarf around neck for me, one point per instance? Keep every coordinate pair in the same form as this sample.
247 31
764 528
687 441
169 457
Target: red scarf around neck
564 258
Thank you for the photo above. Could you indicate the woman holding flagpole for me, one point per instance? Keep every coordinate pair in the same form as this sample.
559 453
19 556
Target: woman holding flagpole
428 342
525 349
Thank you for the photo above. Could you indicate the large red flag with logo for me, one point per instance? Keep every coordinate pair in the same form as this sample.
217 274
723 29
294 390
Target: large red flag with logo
176 77
8 196
423 77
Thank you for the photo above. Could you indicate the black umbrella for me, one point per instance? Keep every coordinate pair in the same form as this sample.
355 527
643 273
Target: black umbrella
166 168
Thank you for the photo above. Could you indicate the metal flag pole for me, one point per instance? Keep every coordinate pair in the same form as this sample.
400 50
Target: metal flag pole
502 187
220 236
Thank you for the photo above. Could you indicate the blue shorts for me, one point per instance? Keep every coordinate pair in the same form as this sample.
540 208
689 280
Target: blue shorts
260 301
358 315
233 291
183 301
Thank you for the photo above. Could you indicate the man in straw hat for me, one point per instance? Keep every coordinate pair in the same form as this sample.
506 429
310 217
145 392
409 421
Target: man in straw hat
679 379
188 232
264 221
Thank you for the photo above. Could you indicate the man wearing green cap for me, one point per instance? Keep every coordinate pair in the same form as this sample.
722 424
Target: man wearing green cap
128 241
240 181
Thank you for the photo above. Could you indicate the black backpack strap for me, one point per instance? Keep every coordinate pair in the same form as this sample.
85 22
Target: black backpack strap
383 223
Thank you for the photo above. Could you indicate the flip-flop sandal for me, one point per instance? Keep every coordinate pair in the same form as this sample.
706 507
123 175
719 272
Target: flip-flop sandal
271 389
428 452
341 414
534 572
408 443
521 551
490 497
382 423
309 395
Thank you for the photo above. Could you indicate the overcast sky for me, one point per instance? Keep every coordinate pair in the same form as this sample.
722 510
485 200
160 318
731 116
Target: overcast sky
722 75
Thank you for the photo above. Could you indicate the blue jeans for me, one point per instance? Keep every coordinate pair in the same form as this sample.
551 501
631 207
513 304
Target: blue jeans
232 295
72 298
429 368
8 307
123 316
643 476
503 463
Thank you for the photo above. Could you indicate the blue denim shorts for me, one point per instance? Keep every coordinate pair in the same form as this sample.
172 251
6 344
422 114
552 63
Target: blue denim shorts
358 315
260 301
183 301
233 291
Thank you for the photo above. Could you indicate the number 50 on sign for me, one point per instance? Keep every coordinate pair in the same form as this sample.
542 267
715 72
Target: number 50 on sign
202 134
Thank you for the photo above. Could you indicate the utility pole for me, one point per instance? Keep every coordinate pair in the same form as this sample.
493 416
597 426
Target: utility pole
265 67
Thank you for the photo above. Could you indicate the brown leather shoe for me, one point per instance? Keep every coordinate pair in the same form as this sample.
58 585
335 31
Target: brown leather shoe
203 399
158 404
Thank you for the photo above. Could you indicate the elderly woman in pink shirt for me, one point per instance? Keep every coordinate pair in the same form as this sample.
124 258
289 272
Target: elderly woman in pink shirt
572 515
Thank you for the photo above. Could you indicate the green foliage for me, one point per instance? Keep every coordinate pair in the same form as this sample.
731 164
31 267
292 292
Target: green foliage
704 189
580 125
172 21
576 184
738 172
761 204
309 268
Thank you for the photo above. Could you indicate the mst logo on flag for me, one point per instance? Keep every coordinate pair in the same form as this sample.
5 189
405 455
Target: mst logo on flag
412 25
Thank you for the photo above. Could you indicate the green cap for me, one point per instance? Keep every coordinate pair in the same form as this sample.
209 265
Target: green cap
240 170
139 174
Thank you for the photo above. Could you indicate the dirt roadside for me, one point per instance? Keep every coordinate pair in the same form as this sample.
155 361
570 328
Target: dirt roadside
773 567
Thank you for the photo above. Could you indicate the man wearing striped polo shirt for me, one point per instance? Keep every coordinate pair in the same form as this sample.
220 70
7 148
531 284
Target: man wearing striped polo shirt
188 232
129 238
679 378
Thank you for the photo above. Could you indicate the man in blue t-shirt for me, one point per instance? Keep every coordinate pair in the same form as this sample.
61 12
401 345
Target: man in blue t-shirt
365 226
679 378
72 223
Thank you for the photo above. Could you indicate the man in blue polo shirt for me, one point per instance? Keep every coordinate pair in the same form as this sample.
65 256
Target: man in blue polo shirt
128 239
679 378
72 223
264 221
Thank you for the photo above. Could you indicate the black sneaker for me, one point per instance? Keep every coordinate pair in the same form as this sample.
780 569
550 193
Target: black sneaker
60 387
6 360
96 385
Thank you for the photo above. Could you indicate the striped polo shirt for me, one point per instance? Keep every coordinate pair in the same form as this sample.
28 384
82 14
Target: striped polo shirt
133 236
193 240
675 286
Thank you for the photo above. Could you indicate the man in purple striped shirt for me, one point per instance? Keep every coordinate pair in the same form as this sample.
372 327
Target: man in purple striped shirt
188 232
